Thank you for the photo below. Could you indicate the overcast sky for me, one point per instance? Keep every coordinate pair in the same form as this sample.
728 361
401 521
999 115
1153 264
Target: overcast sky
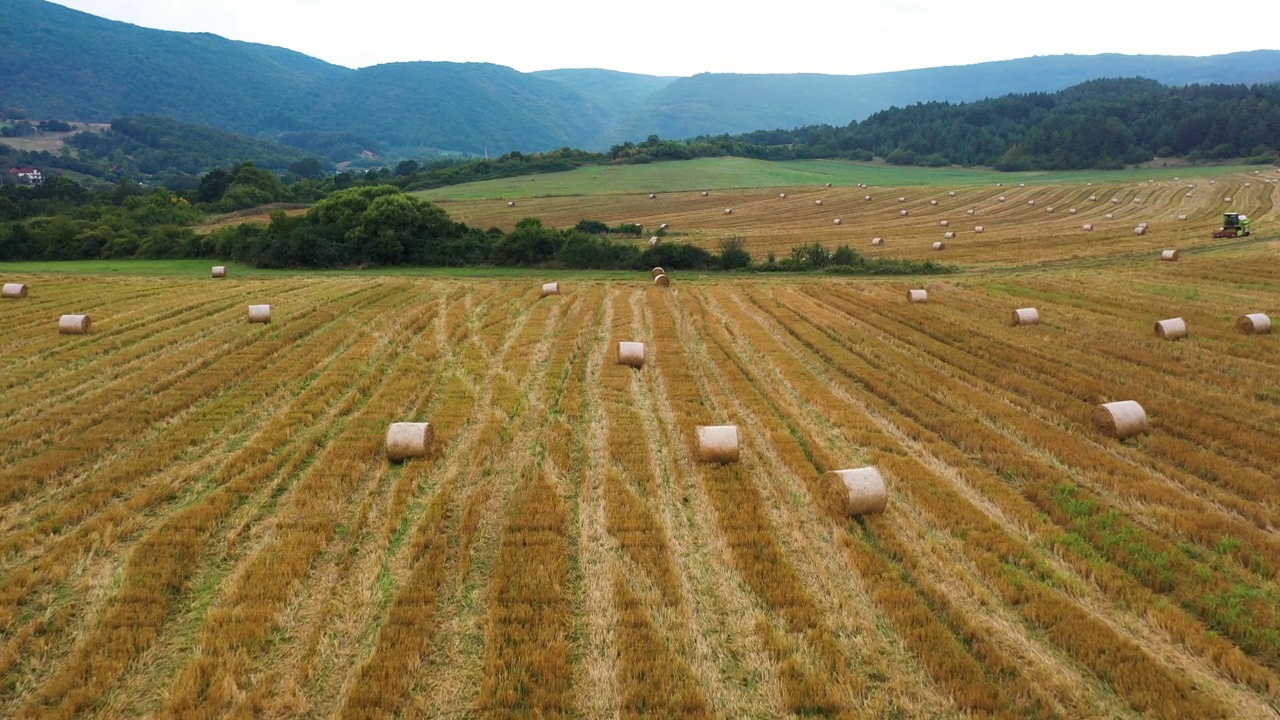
684 37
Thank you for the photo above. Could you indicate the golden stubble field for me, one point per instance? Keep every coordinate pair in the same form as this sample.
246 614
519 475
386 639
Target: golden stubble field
198 519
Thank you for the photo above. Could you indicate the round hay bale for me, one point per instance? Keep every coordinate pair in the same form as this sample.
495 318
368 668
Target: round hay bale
866 197
1169 255
1031 202
1071 211
1182 218
409 440
1226 199
654 240
657 271
861 489
835 221
828 185
1093 198
933 202
902 199
782 196
1026 316
219 271
1087 227
1248 184
74 324
951 193
1022 184
918 296
1171 329
1049 209
1186 194
652 196
1115 200
1137 201
979 229
817 202
969 211
877 241
1108 216
662 281
1139 230
704 193
1122 419
551 288
717 443
939 246
631 353
14 290
944 223
903 213
511 203
1213 182
663 226
1001 198
1089 184
259 313
728 211
1253 324
948 235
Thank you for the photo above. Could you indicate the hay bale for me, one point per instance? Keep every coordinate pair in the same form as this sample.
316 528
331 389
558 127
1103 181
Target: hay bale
1171 329
14 290
654 240
866 197
1071 211
1253 324
1137 201
631 353
1049 209
1115 200
1087 227
969 211
1186 194
944 223
1022 184
74 324
1169 255
979 229
1093 198
1001 198
951 193
1226 199
939 246
661 281
828 185
782 196
1108 216
836 221
817 202
948 235
1121 420
551 288
657 271
1139 230
259 313
219 271
933 202
1089 184
1031 202
902 199
1213 182
704 193
1182 218
918 296
663 226
728 211
860 490
877 241
1248 185
511 203
652 196
717 443
1026 316
409 440
903 213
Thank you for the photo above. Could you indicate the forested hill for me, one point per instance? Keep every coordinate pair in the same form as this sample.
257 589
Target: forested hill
1096 124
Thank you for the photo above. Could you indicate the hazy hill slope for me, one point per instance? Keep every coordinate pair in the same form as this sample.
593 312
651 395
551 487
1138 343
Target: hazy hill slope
620 93
710 104
62 63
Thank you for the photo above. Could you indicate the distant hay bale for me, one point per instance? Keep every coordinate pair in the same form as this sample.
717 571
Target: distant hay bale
782 195
1139 230
654 240
1093 198
1144 225
1089 184
1026 316
1186 194
631 354
1253 324
1108 216
979 228
836 221
1248 185
1171 329
944 223
1137 201
1182 218
877 241
704 193
1121 420
933 202
1001 198
969 211
919 296
663 226
728 211
717 443
1169 255
866 197
1115 200
1022 184
828 185
948 235
1213 182
817 202
1031 202
74 324
902 199
1087 227
1071 211
409 440
259 313
662 281
219 271
903 213
14 290
1226 199
939 246
551 288
511 203
856 491
951 193
657 271
1189 187
652 196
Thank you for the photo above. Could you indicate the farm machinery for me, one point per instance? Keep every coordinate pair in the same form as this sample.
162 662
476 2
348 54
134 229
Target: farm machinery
1233 225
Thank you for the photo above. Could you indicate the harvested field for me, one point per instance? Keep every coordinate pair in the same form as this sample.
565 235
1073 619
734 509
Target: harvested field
200 521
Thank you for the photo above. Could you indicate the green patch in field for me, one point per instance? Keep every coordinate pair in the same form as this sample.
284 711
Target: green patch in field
1183 293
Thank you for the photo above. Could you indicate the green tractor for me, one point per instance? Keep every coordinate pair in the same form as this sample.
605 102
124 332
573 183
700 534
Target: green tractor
1233 225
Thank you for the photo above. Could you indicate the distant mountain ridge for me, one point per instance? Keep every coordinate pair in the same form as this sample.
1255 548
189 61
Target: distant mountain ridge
65 64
